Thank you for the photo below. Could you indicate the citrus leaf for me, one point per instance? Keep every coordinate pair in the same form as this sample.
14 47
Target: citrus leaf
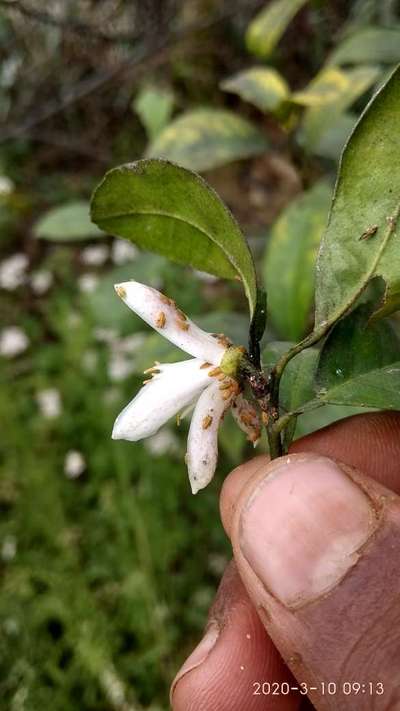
154 108
290 260
359 243
360 363
67 223
370 44
207 138
263 87
333 85
170 210
332 92
332 141
266 29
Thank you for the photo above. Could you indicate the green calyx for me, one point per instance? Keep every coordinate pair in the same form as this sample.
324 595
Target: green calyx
231 360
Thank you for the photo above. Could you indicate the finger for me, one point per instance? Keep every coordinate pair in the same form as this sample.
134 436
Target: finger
317 547
369 442
373 428
224 671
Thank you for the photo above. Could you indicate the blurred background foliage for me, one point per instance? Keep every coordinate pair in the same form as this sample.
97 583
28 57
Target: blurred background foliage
108 564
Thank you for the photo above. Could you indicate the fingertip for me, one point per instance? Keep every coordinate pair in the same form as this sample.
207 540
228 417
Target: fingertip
233 486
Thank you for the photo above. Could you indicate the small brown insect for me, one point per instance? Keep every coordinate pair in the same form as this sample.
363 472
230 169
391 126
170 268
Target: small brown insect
207 421
205 365
182 325
161 320
369 232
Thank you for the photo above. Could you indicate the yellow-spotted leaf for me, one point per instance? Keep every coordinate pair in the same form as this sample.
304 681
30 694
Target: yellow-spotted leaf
333 85
328 96
207 138
266 29
263 87
169 210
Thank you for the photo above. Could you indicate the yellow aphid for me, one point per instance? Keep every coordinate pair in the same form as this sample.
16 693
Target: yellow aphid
120 291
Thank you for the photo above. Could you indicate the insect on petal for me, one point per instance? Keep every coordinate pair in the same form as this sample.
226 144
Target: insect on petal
162 314
202 450
167 393
247 418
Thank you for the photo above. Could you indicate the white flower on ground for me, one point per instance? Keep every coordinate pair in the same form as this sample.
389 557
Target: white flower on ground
123 251
165 442
87 283
49 402
13 271
206 382
6 185
9 548
13 341
41 281
74 464
95 255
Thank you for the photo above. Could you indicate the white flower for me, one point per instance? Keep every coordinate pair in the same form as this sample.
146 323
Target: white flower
74 464
87 283
123 251
94 255
6 185
9 548
204 382
13 271
165 442
41 281
49 402
13 341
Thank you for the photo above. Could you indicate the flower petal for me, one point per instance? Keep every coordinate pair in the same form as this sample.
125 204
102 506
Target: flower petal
247 418
162 314
202 450
172 388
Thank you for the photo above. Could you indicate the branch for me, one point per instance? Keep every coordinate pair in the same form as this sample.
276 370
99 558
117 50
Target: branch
68 24
97 80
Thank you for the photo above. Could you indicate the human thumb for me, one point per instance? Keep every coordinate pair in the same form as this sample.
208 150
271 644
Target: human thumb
317 545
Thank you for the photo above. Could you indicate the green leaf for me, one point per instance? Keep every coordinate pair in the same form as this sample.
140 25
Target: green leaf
172 211
313 420
360 363
154 107
297 384
380 45
367 193
262 86
290 260
67 223
332 92
333 139
266 29
203 139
